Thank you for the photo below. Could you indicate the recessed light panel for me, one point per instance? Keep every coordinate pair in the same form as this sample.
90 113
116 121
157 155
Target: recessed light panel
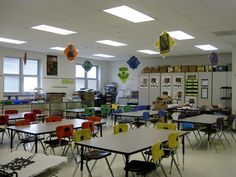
12 41
206 47
180 35
129 14
53 29
150 52
58 48
103 55
112 43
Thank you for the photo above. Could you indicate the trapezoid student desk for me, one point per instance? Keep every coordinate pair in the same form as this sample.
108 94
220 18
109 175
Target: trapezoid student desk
80 111
126 143
20 115
135 115
46 128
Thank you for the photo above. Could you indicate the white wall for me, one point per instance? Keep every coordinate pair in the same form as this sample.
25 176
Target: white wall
133 81
66 70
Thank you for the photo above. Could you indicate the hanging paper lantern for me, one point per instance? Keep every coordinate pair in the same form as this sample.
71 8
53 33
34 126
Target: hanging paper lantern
87 65
25 58
70 52
123 74
213 58
165 43
133 62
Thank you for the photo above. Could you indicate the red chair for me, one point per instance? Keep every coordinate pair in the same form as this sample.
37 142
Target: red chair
37 111
11 111
90 125
53 119
64 135
31 116
26 138
94 118
4 122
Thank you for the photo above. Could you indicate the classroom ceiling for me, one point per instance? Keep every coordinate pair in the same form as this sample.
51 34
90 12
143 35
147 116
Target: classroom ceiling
209 21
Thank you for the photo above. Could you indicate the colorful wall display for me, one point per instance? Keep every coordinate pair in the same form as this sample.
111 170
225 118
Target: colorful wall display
123 74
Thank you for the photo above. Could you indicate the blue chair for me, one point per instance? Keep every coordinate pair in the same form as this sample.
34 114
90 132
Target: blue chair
144 121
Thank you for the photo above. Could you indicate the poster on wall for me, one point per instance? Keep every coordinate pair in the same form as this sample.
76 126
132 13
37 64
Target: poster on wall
52 65
123 74
143 82
154 82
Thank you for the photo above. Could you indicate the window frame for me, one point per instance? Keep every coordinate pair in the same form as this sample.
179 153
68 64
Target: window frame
85 78
21 77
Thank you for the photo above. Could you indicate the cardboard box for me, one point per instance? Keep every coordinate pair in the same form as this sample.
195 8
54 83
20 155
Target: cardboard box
177 68
170 69
208 68
154 69
55 97
146 70
163 69
201 68
184 68
192 68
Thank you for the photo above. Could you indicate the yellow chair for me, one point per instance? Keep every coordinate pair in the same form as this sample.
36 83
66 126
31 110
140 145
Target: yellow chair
89 154
119 128
114 107
145 167
169 126
171 150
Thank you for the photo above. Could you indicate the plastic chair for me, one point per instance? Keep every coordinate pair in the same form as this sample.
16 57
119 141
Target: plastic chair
89 154
11 111
171 150
53 119
139 123
105 111
114 107
26 138
31 116
37 111
228 127
166 126
145 167
4 122
64 134
141 107
127 108
90 125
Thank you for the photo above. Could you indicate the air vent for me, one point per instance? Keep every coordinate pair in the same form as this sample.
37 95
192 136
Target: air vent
225 33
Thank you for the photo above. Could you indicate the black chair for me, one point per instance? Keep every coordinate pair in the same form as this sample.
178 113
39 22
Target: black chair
144 167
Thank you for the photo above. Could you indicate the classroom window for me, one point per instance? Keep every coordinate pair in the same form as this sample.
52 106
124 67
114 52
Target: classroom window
19 79
86 79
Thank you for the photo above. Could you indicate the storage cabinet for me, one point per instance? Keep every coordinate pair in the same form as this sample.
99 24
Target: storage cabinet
110 92
226 95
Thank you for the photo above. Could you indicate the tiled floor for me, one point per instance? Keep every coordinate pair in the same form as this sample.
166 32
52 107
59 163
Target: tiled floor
198 162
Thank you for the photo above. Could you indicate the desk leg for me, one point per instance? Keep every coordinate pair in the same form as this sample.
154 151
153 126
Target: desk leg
100 127
126 164
115 117
82 158
12 137
36 143
183 148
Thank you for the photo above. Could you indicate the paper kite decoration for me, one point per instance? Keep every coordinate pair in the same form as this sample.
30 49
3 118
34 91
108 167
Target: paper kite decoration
133 62
25 58
213 58
165 43
87 65
123 74
70 52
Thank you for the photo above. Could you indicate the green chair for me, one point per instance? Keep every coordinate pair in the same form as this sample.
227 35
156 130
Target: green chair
105 111
89 111
127 108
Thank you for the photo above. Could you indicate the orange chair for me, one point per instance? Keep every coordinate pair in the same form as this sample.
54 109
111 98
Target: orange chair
26 138
53 119
94 118
64 134
11 111
89 125
31 116
4 121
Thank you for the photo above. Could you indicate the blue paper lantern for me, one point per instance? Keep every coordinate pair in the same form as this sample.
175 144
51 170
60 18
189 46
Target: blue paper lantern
133 62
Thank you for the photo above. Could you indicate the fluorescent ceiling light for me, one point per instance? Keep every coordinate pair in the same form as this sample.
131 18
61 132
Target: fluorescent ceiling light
103 55
129 14
112 43
58 48
52 29
150 52
12 41
206 47
180 35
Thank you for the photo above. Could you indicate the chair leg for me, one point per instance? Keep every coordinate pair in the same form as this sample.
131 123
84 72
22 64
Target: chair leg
90 175
226 139
177 166
113 159
189 142
232 135
163 170
109 167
